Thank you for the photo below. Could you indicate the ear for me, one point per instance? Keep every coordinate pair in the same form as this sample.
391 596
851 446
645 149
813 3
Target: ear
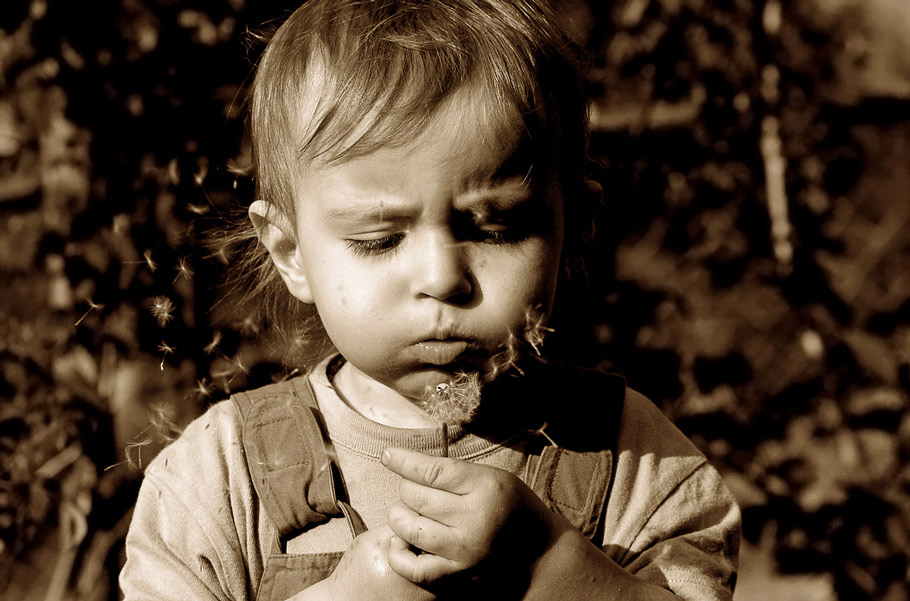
277 235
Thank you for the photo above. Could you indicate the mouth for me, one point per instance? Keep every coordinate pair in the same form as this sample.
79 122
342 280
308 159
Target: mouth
439 352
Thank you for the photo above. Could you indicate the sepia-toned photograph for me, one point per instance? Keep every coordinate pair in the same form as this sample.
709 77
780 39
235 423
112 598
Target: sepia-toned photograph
418 300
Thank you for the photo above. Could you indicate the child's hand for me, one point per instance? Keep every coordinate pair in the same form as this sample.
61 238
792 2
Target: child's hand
463 515
363 574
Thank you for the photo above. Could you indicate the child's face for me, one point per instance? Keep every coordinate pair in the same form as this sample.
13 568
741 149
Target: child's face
421 259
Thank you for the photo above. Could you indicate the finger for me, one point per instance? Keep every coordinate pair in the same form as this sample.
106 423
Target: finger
441 473
439 505
421 532
419 569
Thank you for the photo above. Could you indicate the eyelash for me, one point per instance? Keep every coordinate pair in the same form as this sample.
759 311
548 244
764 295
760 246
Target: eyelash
503 236
379 246
375 246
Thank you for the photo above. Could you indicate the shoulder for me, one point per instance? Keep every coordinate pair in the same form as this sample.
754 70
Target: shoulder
644 431
670 518
655 461
194 526
210 445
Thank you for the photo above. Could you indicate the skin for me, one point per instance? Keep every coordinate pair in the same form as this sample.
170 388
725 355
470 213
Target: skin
421 259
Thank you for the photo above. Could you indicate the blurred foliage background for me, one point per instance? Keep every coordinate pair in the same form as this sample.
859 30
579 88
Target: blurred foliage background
752 275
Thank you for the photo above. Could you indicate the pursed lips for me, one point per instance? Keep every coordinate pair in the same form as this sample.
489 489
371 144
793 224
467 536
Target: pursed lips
439 352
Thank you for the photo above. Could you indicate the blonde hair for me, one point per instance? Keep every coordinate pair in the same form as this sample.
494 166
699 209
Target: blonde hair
372 73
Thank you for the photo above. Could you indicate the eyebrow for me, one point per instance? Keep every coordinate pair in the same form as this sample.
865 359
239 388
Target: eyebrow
365 214
501 196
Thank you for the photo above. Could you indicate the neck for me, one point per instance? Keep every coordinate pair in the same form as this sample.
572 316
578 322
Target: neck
378 402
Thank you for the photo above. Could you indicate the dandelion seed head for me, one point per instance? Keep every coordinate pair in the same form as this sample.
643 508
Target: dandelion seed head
453 402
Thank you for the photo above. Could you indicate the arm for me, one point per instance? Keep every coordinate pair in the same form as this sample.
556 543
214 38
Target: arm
170 557
477 519
571 567
185 539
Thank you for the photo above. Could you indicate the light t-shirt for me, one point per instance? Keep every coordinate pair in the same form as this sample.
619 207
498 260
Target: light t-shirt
198 533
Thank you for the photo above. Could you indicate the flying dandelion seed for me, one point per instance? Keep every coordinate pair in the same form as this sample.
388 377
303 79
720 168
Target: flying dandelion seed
147 255
162 422
197 209
92 307
248 327
162 308
221 253
183 270
505 359
143 439
480 215
165 350
534 330
211 346
224 372
241 368
287 376
542 432
203 389
228 372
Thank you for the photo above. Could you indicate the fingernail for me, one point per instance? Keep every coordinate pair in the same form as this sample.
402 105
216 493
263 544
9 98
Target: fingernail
386 457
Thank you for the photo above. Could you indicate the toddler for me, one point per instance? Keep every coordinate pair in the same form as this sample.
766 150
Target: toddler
420 167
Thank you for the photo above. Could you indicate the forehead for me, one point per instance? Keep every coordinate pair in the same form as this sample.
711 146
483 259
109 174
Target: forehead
332 122
468 136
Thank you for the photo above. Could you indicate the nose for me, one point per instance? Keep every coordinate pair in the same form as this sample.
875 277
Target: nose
443 271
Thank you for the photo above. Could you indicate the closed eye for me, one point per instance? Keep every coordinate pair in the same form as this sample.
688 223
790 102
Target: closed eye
498 234
375 246
500 227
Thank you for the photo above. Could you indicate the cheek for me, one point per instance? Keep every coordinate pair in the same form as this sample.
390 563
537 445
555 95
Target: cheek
350 298
521 280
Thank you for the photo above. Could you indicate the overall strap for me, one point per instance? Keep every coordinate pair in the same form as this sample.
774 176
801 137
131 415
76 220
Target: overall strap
575 471
290 458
